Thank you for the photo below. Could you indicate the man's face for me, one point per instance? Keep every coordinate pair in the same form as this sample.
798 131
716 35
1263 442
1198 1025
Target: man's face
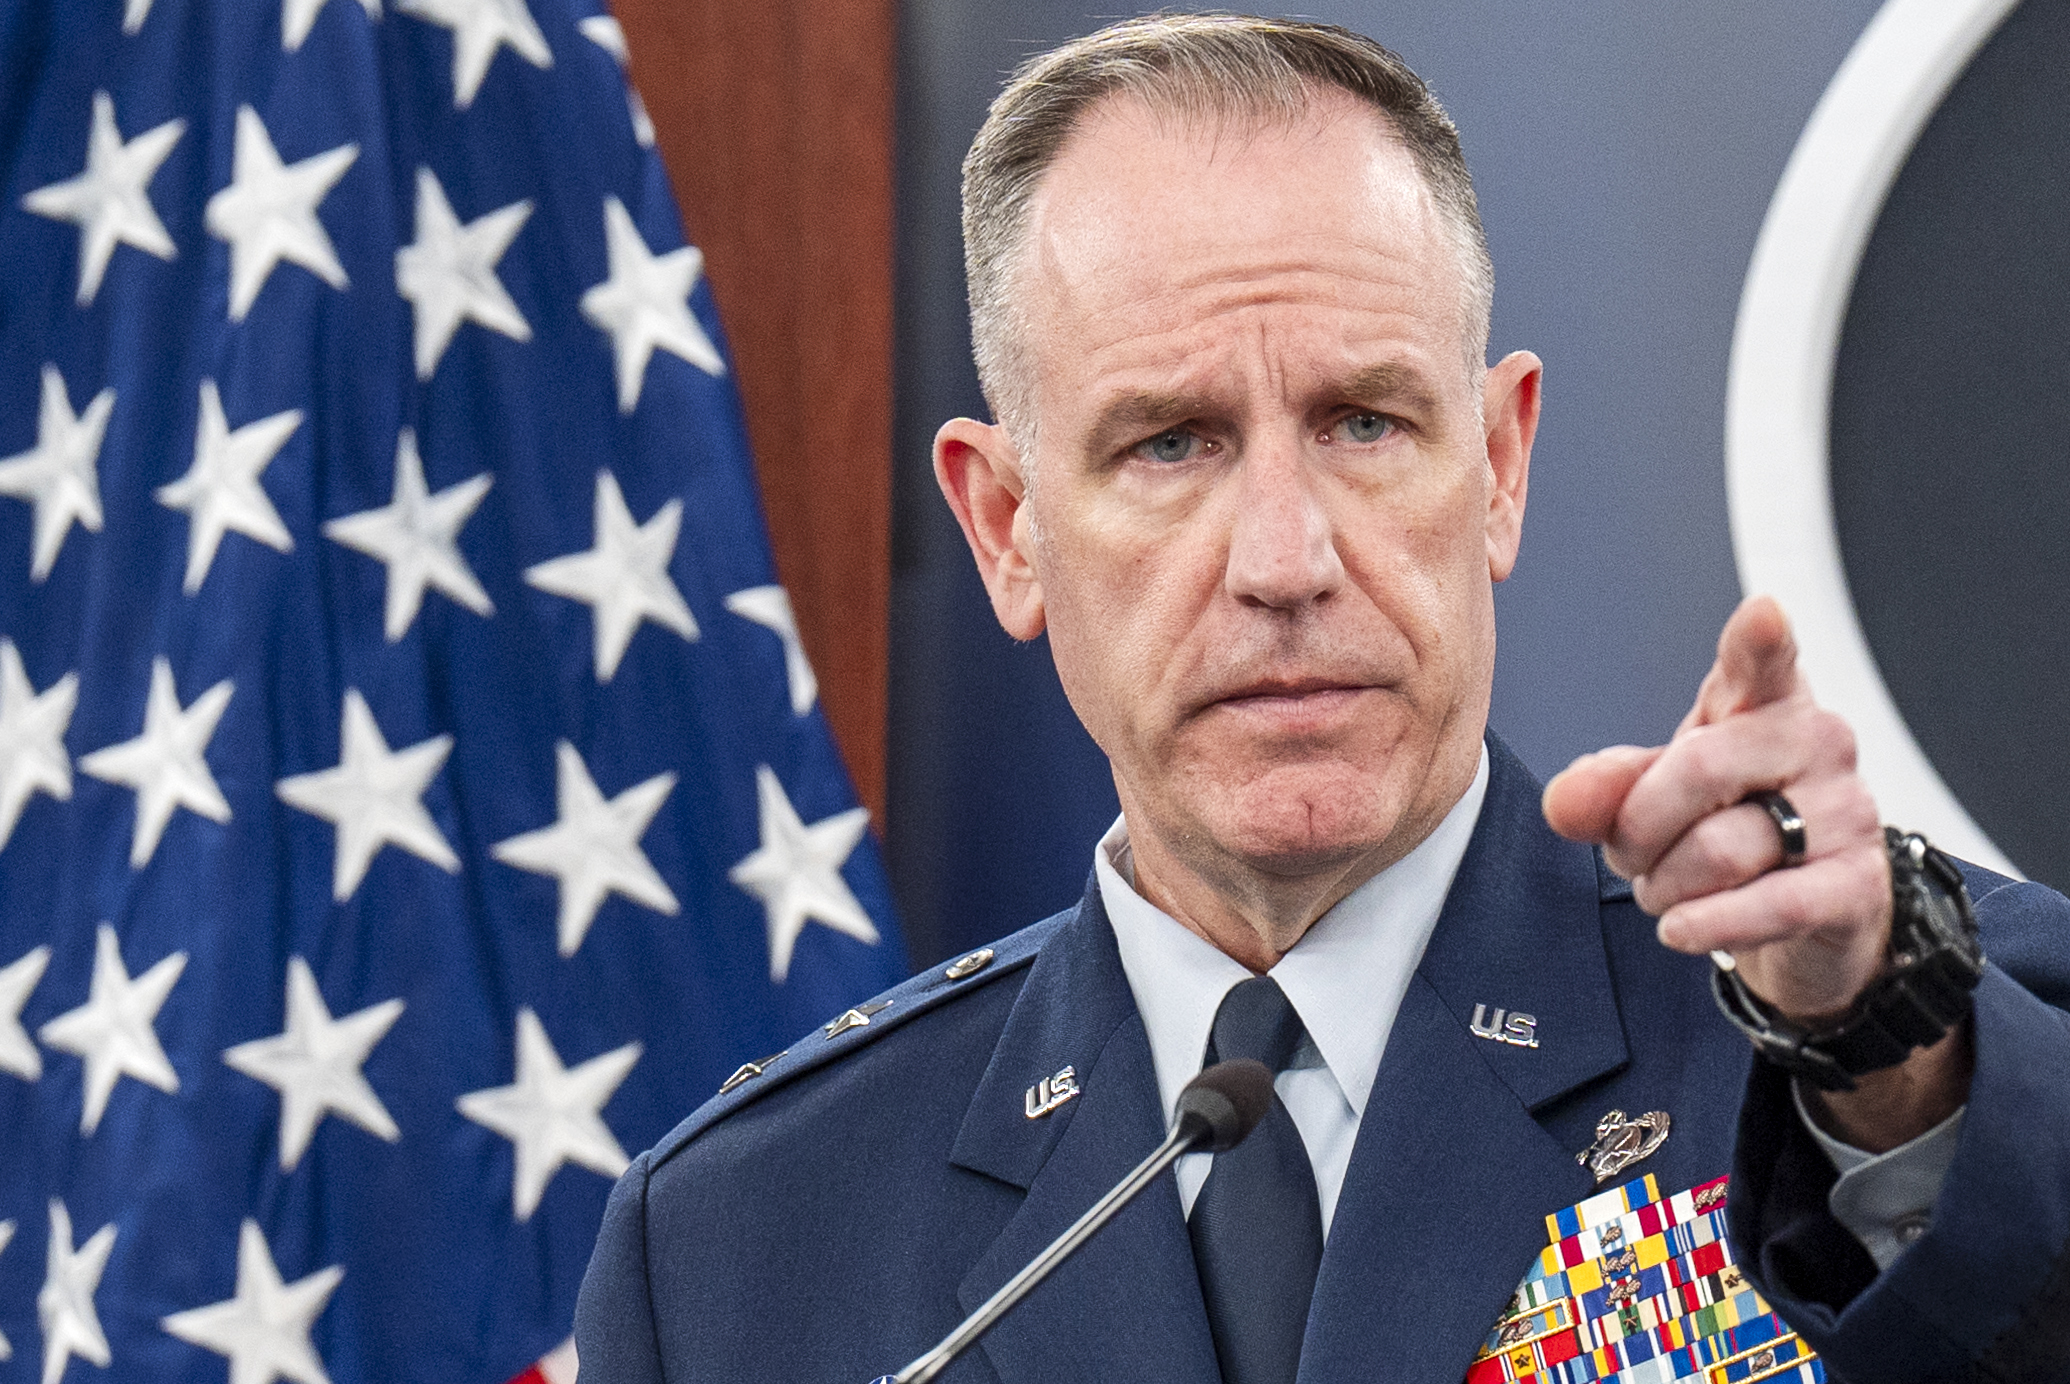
1263 521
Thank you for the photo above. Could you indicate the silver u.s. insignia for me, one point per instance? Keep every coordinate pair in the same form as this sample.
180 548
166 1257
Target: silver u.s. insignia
1621 1142
1517 1030
1051 1092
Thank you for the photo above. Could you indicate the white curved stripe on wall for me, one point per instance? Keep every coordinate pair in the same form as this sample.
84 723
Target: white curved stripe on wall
1779 389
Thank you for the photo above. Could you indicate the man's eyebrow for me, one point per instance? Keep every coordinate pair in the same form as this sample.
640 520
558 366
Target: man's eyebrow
1391 382
1139 411
1388 384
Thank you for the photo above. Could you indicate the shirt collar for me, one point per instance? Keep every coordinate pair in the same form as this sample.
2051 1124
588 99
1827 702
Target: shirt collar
1345 977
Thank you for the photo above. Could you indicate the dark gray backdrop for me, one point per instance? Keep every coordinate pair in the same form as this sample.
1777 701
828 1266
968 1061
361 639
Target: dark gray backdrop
1625 152
1949 385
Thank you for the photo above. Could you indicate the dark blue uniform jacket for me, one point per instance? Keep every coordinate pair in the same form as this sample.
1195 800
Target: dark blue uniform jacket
828 1221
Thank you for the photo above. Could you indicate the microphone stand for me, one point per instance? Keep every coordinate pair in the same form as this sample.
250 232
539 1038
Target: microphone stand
1190 1130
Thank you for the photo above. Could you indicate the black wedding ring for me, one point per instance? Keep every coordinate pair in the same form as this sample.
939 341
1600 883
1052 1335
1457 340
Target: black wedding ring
1788 825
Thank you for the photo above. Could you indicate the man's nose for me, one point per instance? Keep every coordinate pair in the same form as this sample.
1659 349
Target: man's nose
1282 546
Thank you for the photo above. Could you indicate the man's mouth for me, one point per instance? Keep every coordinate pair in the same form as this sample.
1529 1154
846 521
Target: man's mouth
1288 689
1291 702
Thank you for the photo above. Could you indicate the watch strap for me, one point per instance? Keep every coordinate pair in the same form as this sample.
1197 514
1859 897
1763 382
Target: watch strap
1935 962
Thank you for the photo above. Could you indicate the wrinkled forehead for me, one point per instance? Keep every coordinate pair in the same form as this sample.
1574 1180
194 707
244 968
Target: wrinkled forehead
1146 210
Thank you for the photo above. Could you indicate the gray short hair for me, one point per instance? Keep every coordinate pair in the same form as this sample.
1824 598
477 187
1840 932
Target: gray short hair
1197 66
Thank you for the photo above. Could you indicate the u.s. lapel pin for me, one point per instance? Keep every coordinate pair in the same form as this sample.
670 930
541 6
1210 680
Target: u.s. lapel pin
858 1017
1517 1030
1051 1092
1621 1142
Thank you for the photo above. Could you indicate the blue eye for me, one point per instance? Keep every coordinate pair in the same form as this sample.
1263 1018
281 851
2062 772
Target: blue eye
1367 427
1171 445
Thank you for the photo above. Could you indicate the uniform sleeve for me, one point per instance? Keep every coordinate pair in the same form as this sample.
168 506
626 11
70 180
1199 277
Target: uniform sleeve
1984 1292
615 1339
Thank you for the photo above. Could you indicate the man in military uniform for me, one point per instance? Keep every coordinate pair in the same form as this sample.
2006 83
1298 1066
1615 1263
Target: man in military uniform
1251 473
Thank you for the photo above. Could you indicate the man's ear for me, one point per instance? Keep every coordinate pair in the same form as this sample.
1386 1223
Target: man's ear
1509 404
980 473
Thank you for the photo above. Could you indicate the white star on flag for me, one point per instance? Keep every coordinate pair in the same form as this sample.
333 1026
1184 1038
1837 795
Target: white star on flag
64 1307
221 489
165 764
558 1366
645 303
770 607
32 740
607 34
315 1065
18 981
449 273
594 847
371 797
60 474
796 872
109 201
113 1031
6 1236
415 535
264 1330
297 17
134 13
268 213
624 577
479 28
551 1114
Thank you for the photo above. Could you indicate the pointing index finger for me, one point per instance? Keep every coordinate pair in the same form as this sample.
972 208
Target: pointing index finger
1757 664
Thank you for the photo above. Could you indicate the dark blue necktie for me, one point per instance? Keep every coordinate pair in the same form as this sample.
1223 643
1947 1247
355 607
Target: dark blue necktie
1257 1223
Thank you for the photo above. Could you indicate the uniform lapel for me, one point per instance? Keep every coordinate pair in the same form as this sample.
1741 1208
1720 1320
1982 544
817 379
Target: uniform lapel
1451 1179
1128 1305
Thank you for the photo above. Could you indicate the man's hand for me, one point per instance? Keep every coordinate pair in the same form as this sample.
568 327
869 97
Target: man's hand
1807 939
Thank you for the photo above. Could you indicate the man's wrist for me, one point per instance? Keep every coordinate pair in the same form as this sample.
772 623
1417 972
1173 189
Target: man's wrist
1933 961
1898 1104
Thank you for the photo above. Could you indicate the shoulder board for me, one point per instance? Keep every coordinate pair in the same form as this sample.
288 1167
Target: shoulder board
864 1024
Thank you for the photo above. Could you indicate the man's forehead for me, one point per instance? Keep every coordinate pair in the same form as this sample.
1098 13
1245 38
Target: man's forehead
1132 173
1152 217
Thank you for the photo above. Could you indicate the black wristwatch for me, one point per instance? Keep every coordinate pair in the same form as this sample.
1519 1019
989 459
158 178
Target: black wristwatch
1935 962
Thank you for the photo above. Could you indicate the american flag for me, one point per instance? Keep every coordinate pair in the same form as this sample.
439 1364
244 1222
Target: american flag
413 796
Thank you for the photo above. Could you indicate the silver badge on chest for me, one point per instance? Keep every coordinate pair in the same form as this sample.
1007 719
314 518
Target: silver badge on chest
1621 1142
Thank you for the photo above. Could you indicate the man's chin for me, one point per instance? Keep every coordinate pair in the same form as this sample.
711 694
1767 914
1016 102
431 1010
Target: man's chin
1301 823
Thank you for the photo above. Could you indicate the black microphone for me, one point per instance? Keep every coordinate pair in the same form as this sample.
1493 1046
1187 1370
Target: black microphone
1216 1110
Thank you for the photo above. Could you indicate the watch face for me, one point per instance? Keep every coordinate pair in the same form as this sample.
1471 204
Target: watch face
1935 919
1950 440
1945 922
